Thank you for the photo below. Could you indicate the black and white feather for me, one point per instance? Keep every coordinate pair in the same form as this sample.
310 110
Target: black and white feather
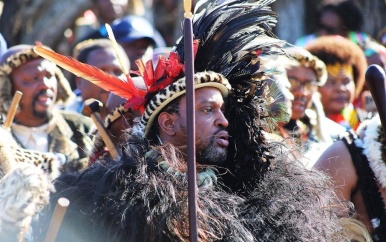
234 36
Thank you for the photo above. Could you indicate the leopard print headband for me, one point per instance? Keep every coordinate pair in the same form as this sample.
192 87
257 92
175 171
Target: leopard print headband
306 59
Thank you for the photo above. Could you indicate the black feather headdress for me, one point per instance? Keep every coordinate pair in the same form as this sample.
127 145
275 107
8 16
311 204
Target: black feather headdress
234 36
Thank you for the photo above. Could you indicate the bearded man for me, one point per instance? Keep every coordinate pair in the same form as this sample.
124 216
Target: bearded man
39 124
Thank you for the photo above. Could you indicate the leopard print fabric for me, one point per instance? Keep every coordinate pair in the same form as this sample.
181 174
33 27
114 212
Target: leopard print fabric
12 153
118 112
23 193
45 161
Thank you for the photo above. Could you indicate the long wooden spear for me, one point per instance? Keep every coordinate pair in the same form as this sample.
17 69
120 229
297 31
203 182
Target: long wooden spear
190 103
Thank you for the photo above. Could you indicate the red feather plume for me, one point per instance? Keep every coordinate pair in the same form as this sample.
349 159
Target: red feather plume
166 71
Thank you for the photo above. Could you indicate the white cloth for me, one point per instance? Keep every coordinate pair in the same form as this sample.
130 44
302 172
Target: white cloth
33 138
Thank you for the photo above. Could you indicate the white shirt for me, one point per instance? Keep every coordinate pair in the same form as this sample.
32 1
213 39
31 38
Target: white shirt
33 138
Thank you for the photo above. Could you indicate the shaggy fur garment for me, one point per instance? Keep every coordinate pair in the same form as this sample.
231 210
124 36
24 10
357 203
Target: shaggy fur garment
24 191
135 200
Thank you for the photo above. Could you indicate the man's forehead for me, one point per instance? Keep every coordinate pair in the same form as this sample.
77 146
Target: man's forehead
208 94
36 65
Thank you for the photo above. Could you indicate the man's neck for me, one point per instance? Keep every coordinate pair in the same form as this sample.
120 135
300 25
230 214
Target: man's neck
31 122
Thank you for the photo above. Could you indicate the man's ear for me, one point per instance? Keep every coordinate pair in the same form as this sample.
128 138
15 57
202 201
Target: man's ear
166 123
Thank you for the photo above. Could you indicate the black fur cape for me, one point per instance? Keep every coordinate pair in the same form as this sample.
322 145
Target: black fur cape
135 199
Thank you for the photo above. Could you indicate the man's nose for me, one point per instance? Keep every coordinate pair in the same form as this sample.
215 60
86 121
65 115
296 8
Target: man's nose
222 121
45 83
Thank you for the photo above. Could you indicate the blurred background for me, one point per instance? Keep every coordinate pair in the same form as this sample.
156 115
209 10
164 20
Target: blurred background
60 24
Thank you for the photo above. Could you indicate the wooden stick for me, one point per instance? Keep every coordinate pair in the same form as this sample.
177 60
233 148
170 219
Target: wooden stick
191 128
57 218
105 136
12 110
90 109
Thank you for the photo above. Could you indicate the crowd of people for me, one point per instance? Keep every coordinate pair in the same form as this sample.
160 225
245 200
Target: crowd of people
289 145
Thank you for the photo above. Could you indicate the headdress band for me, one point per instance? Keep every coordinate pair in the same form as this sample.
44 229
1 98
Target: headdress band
338 69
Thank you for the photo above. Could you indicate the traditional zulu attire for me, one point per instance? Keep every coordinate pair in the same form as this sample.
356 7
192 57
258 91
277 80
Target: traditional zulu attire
24 187
66 132
368 159
258 194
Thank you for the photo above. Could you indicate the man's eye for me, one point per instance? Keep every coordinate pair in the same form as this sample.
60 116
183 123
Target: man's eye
28 81
207 110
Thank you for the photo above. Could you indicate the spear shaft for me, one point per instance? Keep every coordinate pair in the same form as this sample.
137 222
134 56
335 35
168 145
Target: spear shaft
190 103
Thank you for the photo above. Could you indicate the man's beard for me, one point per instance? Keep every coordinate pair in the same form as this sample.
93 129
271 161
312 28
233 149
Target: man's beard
42 114
209 155
47 114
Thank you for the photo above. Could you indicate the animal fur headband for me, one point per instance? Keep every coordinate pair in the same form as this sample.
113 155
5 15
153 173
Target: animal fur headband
175 90
17 59
301 57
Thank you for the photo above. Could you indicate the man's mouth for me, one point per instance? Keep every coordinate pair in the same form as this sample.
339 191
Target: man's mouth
298 105
222 138
44 99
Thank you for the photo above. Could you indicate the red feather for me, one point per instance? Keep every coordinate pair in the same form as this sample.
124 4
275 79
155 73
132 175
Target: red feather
174 66
164 74
149 74
160 68
136 103
196 42
141 67
122 88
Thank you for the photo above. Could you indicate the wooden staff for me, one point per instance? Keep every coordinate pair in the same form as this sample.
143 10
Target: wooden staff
12 110
191 129
57 218
376 82
91 108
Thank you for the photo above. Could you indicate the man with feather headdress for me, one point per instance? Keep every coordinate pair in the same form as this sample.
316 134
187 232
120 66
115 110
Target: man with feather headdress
248 189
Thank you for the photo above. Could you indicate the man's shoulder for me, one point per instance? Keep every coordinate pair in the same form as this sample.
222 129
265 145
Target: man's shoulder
76 119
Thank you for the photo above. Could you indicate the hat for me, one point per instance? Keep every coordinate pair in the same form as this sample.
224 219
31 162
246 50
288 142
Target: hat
155 105
132 28
17 56
301 57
